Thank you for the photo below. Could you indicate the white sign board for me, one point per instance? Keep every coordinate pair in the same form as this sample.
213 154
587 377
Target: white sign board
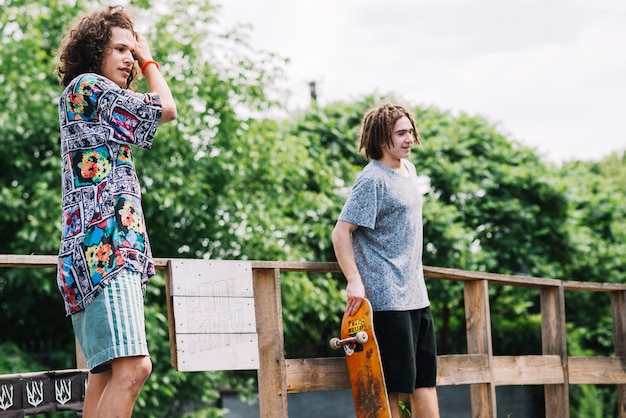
213 315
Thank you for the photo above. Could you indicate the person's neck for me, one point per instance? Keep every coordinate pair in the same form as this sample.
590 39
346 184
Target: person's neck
394 164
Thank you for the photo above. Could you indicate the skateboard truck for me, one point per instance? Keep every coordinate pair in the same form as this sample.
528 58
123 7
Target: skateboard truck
360 337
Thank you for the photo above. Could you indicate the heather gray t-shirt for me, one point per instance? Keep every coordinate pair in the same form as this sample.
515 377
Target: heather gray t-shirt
387 208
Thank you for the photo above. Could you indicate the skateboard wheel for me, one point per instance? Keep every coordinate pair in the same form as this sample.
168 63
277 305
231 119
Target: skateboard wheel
361 337
335 343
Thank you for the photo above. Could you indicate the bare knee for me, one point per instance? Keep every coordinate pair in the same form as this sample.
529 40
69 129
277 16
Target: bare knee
141 368
132 372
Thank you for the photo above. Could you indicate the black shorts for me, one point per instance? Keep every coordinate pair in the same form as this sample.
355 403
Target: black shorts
408 349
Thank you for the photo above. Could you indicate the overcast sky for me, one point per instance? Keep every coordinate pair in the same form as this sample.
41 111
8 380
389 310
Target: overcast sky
549 73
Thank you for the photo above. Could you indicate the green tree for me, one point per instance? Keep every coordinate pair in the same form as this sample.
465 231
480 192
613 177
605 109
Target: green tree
29 176
216 77
492 206
597 223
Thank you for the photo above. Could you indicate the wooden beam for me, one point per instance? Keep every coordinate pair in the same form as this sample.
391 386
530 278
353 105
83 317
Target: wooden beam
308 266
331 373
462 369
317 374
502 279
527 370
478 328
272 369
597 370
171 319
618 307
553 341
28 261
592 287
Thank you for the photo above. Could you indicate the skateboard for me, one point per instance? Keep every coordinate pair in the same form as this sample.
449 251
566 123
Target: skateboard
364 365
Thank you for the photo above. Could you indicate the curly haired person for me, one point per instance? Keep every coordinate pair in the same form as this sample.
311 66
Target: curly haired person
105 260
378 242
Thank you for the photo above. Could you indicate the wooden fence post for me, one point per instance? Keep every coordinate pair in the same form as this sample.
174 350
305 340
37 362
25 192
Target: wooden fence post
478 328
618 304
553 341
269 321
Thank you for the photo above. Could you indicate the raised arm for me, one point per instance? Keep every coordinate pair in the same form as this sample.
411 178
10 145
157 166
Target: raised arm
156 82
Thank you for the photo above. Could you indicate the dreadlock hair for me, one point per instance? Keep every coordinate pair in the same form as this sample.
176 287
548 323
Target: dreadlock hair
83 47
377 129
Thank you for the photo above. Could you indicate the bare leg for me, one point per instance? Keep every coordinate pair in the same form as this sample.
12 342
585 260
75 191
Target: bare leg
394 403
126 380
424 403
96 383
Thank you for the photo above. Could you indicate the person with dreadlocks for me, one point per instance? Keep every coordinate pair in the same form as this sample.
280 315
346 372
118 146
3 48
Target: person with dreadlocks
105 259
378 242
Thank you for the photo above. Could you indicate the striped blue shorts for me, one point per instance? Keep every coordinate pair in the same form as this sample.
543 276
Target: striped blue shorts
113 325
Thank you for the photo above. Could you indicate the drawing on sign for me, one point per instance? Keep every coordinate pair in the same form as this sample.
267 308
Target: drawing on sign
201 342
63 390
209 313
6 397
34 392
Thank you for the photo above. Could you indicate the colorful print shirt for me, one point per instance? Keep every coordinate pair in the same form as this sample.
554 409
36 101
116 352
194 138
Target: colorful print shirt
103 222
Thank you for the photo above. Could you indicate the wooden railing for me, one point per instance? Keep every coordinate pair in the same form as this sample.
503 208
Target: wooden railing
479 368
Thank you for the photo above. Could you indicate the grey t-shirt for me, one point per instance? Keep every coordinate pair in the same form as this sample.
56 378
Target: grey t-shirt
387 208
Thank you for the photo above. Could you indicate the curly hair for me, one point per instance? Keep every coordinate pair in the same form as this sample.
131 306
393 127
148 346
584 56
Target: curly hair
83 47
377 129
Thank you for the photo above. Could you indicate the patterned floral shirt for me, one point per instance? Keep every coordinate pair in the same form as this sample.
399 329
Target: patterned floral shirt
103 223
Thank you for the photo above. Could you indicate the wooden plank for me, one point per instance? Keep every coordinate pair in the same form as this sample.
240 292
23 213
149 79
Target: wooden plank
478 328
618 308
28 261
527 370
597 370
211 278
171 317
317 374
228 351
553 340
272 368
462 369
331 373
306 375
493 278
307 266
162 263
593 287
196 315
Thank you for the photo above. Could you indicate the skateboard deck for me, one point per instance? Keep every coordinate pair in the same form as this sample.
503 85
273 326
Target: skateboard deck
364 365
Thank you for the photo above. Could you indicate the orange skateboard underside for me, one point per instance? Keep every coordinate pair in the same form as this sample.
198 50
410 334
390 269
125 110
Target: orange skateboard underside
364 365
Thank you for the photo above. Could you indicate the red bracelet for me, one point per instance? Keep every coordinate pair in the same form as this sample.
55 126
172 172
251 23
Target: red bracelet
145 64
